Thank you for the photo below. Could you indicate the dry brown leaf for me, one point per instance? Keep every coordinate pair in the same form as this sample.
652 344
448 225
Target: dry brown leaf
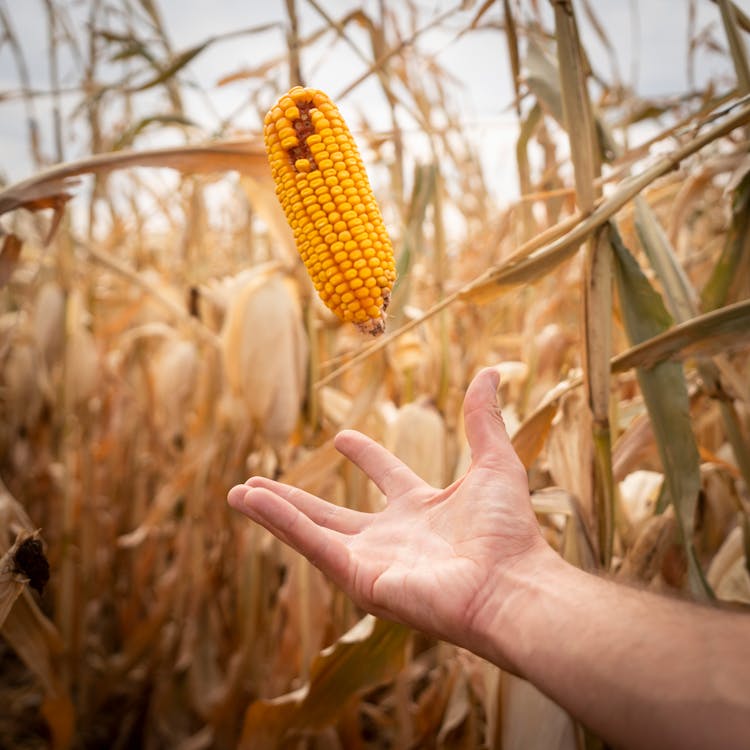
569 439
261 194
530 719
530 437
37 642
9 255
12 583
635 449
655 538
52 188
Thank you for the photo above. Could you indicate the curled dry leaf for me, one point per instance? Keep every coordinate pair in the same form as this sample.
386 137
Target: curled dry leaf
51 188
656 536
530 719
372 652
24 563
9 254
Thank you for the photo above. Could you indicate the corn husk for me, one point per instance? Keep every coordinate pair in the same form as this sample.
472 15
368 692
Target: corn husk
82 362
264 351
175 374
417 435
728 574
48 322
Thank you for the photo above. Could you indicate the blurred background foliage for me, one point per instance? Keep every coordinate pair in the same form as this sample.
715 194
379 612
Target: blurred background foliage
159 342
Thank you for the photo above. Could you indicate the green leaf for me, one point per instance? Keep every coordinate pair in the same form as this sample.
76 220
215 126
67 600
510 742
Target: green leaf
680 296
734 261
412 246
666 396
543 80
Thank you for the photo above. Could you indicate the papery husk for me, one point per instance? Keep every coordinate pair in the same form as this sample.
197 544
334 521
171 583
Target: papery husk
175 373
48 322
639 492
335 405
82 362
418 437
24 384
530 719
728 573
264 351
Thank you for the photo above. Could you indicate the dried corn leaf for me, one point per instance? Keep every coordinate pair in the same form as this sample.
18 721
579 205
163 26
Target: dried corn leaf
553 501
9 255
128 137
177 63
36 641
12 582
46 189
568 446
530 719
29 633
261 193
722 330
530 437
644 559
458 729
729 17
372 652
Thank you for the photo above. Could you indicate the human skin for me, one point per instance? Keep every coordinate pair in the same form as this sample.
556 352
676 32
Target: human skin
468 564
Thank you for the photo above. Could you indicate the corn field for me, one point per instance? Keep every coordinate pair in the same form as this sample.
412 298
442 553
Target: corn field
160 341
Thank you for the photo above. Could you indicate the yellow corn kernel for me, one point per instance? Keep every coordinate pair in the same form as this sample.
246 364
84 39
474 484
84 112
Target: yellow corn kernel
326 196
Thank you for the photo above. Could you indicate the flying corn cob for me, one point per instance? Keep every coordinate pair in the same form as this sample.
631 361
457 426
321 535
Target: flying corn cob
324 191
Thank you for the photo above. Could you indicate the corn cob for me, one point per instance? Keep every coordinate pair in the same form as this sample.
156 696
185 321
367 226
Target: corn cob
326 196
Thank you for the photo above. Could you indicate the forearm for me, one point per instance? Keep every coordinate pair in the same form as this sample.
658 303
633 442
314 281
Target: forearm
640 670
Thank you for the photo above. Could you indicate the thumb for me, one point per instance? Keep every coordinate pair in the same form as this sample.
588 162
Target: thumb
485 429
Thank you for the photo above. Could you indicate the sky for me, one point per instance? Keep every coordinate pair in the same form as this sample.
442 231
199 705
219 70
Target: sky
650 37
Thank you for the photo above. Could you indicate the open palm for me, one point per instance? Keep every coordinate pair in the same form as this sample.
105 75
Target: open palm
432 557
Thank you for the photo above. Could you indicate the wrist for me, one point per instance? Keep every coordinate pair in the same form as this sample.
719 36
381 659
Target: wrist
505 623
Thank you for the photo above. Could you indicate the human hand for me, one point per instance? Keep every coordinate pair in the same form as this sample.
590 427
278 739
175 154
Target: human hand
443 561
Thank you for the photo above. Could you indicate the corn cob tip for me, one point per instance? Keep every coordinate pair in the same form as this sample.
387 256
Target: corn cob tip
325 193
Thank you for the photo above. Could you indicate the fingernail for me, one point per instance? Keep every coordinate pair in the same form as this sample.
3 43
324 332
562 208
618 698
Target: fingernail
236 496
